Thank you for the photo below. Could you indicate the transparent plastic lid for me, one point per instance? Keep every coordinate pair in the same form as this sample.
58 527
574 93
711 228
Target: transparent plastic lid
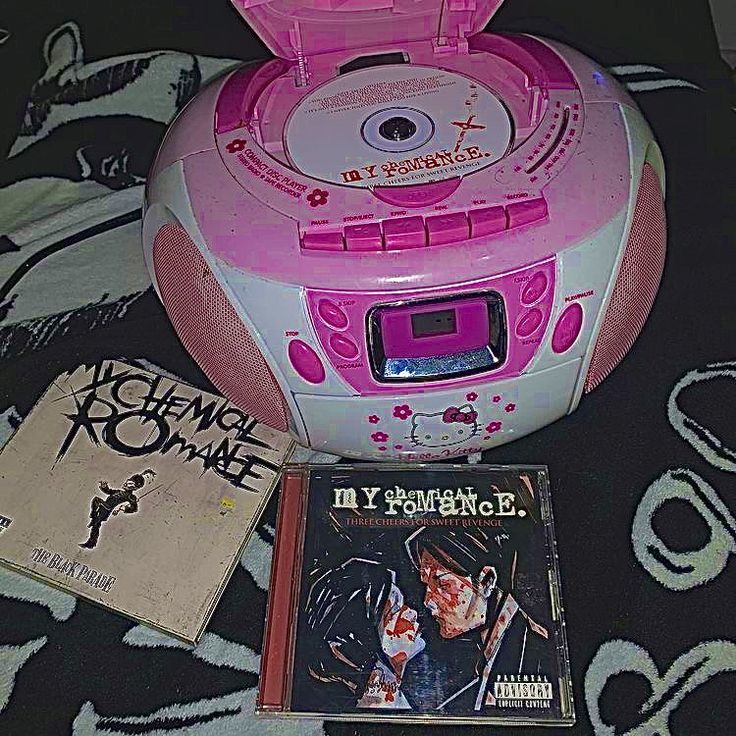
296 28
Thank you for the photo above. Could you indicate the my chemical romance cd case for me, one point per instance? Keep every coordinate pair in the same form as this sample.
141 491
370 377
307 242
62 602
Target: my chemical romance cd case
135 492
422 594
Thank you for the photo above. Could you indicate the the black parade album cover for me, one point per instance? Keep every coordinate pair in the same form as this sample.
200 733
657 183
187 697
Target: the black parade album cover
420 594
135 492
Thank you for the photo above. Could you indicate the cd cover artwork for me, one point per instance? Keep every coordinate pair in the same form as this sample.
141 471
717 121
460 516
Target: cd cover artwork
416 594
417 124
135 492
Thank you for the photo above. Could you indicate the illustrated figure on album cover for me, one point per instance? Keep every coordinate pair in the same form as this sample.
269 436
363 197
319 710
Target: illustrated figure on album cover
468 578
115 500
366 634
426 616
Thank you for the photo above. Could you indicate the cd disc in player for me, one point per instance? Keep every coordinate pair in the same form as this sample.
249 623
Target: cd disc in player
397 125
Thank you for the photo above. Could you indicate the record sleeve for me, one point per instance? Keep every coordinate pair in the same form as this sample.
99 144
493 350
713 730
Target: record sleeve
424 594
135 492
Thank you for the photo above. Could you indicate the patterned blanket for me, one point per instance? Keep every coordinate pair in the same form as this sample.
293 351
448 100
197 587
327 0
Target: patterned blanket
643 472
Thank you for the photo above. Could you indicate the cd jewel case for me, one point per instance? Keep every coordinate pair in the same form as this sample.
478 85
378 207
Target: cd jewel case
428 594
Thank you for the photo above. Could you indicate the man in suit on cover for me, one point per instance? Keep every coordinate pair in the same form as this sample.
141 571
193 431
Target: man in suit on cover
468 577
116 500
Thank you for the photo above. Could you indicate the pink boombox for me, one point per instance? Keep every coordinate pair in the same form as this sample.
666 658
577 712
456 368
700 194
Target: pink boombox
403 238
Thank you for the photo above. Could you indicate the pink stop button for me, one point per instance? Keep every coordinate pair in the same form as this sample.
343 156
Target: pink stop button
306 362
567 328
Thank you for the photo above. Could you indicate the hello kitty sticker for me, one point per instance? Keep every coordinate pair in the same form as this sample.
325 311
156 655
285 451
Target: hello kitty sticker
439 434
451 427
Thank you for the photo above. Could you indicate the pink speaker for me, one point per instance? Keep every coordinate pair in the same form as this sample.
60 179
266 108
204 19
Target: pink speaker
211 329
637 281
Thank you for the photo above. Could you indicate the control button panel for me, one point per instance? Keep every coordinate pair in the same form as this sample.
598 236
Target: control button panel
364 237
349 345
322 240
331 314
400 233
404 232
452 228
529 322
534 289
306 362
524 213
568 327
487 221
344 346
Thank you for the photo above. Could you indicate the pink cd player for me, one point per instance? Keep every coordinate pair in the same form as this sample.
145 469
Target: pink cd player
403 238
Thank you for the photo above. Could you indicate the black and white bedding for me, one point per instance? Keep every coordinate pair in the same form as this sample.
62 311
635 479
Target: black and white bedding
645 465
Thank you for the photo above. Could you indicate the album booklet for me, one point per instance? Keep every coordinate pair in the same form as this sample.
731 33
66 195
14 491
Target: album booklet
135 492
425 593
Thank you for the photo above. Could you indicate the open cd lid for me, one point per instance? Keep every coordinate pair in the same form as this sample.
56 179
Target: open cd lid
294 29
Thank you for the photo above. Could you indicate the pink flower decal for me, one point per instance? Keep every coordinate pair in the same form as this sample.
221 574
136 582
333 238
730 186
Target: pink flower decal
398 447
496 399
510 407
317 198
382 449
373 419
403 411
472 396
236 146
493 427
379 437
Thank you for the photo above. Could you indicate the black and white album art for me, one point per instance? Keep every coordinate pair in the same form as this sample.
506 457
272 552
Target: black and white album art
136 492
112 501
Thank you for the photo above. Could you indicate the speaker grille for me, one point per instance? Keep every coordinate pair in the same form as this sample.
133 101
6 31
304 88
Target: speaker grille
637 281
211 330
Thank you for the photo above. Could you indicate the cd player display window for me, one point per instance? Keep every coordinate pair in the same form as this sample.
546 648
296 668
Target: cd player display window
426 324
438 339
